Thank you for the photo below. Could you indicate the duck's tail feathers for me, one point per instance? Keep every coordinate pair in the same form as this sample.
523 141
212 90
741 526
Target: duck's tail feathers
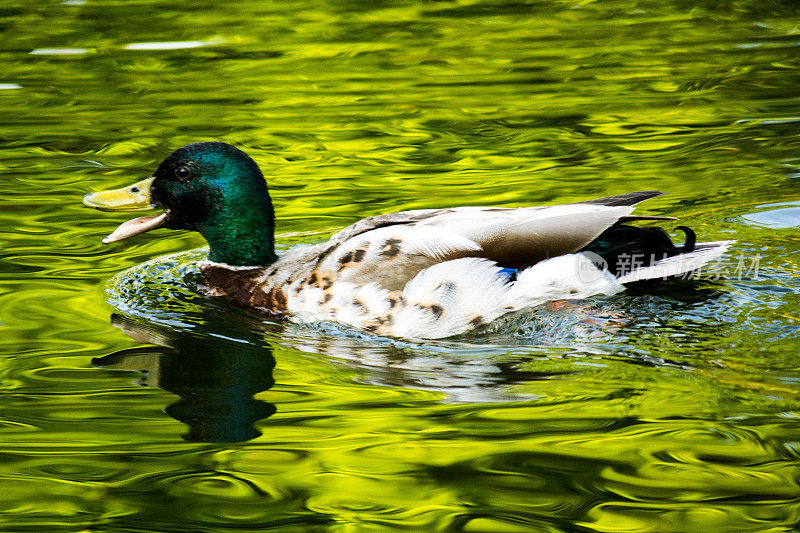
680 265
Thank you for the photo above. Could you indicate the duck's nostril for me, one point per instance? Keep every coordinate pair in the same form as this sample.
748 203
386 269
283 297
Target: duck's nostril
134 189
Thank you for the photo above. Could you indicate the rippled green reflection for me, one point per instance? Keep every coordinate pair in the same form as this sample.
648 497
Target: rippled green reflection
671 408
215 375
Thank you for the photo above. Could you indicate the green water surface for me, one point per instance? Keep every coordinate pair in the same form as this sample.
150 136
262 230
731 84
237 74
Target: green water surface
130 403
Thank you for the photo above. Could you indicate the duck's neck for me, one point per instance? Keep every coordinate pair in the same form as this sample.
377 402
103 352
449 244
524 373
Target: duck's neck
241 233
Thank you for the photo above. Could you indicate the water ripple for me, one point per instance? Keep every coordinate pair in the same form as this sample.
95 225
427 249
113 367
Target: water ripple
670 408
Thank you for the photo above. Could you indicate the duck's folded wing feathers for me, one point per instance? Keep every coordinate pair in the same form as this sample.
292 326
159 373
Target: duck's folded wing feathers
391 254
630 198
417 216
522 237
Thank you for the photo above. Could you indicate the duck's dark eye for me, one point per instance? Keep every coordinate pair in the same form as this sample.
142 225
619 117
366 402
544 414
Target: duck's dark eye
183 172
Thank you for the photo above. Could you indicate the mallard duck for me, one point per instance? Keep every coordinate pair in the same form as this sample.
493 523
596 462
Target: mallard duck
426 273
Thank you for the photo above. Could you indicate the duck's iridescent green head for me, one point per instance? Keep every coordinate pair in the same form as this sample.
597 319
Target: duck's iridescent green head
210 187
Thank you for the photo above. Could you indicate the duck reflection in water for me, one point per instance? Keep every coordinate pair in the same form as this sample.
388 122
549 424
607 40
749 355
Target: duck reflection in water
215 375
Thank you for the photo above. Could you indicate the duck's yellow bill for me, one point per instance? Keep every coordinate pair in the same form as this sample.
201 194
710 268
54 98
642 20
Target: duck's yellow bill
134 197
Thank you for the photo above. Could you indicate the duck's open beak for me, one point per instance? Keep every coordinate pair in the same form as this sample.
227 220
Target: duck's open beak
135 197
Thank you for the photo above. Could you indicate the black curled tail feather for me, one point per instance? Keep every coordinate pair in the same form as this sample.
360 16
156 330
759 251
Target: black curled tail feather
691 239
624 247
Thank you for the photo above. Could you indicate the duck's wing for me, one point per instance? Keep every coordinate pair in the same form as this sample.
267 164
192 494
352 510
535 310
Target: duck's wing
519 238
629 198
391 249
418 215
